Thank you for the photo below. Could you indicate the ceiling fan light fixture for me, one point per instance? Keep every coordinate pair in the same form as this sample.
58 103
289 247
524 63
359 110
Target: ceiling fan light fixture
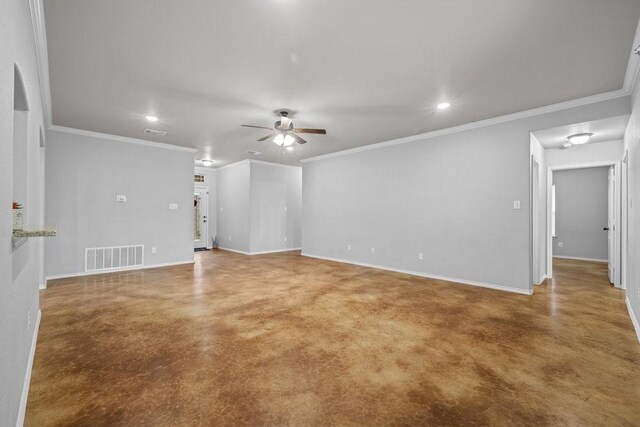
288 140
579 138
279 139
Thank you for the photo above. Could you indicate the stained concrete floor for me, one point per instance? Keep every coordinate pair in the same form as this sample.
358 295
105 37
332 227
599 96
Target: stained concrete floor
288 340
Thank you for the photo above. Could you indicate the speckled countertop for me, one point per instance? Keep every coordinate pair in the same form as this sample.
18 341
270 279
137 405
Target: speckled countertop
36 232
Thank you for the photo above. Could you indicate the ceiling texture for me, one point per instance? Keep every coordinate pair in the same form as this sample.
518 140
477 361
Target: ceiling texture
603 130
367 71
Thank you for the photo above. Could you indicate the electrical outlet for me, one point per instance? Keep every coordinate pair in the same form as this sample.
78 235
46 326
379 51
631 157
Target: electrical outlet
560 244
29 319
516 204
173 206
285 238
154 250
373 250
420 256
348 247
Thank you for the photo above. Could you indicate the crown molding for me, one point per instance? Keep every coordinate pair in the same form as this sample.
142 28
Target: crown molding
126 139
232 164
42 57
280 165
607 96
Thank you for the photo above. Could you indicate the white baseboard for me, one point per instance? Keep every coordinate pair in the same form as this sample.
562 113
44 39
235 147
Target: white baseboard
634 319
429 276
542 279
259 253
580 259
27 375
115 270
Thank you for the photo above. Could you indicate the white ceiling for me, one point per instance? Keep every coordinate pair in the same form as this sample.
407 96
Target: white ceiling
609 129
367 71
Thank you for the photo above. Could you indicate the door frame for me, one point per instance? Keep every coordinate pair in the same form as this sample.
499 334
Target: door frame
620 201
206 213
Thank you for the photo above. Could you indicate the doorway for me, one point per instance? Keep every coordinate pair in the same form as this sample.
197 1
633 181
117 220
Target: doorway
584 213
200 217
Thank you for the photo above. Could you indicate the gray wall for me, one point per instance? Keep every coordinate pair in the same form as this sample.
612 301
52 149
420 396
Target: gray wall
632 267
20 269
276 204
233 206
84 175
449 196
211 182
581 213
252 197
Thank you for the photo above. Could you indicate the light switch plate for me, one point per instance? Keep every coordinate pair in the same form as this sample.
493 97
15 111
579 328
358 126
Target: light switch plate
154 250
516 204
121 198
420 256
373 250
348 247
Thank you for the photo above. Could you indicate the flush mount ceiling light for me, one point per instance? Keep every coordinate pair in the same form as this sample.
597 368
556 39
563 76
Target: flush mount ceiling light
580 138
443 106
207 162
151 118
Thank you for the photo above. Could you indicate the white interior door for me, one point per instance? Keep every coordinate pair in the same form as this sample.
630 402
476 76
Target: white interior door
200 217
611 225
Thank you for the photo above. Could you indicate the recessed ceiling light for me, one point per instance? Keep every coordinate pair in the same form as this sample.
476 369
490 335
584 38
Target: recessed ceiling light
207 162
580 138
443 106
151 118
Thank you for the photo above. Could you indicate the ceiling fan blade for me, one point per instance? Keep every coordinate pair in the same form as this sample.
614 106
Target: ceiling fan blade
316 131
257 127
298 139
267 137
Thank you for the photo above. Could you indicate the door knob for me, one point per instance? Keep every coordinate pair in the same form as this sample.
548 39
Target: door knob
606 229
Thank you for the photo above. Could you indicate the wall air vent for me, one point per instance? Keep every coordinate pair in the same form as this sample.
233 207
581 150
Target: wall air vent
154 132
198 178
113 258
253 152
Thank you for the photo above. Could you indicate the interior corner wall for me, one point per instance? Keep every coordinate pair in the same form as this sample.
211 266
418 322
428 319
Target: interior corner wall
19 268
276 204
449 197
233 219
85 174
211 183
631 222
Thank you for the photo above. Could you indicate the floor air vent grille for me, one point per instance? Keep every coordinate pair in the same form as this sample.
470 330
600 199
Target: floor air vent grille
113 258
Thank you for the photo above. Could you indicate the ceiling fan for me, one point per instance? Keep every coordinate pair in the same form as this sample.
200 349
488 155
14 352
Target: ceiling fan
285 133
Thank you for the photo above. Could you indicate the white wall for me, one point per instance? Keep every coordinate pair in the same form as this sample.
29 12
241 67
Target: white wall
610 151
276 205
19 268
632 267
447 196
539 229
211 183
84 176
259 205
234 206
581 213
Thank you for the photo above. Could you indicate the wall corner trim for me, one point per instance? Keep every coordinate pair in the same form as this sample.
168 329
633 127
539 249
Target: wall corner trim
119 138
634 319
426 275
22 410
